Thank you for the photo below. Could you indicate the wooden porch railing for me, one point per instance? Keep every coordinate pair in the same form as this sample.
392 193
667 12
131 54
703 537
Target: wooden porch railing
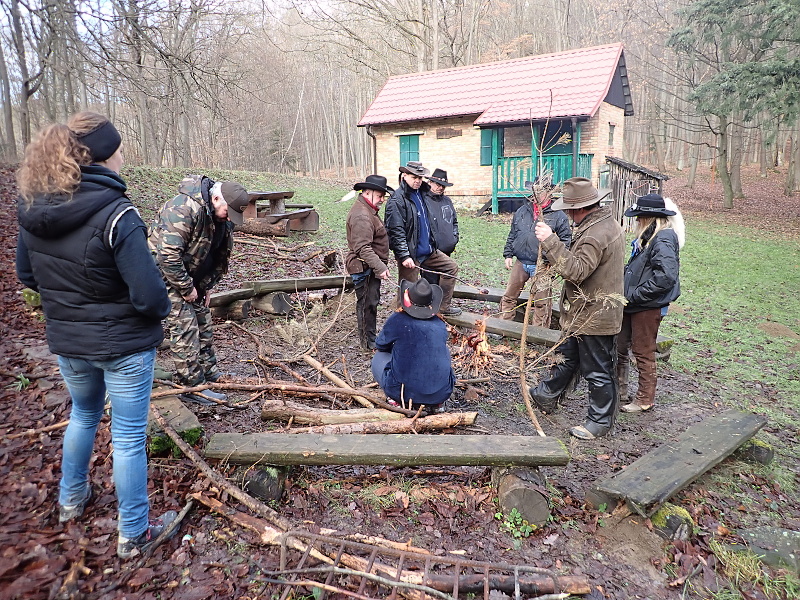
514 171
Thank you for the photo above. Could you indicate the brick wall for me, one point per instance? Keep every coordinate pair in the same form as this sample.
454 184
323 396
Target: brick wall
459 155
594 136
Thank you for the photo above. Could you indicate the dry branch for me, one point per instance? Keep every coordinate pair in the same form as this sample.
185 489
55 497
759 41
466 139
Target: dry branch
363 401
308 415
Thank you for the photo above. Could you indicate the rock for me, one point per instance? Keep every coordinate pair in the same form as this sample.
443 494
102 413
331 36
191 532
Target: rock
774 546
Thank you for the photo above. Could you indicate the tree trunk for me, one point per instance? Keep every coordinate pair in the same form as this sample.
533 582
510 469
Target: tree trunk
722 163
9 144
737 140
522 490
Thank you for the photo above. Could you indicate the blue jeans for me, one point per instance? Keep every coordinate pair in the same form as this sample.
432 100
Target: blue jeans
129 381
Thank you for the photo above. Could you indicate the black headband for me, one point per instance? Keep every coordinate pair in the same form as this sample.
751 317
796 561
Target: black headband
102 141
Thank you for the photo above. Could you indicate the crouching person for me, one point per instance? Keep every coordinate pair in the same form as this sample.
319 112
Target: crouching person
413 364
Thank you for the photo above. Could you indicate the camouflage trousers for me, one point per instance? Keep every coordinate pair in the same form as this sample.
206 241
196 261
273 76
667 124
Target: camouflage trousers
188 327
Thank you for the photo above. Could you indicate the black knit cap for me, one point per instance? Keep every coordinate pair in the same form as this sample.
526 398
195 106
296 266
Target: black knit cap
102 141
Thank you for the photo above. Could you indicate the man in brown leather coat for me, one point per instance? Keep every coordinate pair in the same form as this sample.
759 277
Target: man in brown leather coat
368 257
591 305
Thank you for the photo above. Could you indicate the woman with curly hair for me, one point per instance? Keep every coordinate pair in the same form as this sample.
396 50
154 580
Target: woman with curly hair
651 283
83 247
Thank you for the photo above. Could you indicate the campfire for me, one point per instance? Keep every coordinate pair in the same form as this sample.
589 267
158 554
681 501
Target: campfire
474 352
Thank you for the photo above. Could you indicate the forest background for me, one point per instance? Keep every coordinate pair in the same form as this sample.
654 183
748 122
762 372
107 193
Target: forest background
279 85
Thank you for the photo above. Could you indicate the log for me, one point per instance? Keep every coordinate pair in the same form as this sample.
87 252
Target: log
523 490
336 380
395 449
328 282
225 298
432 423
283 410
275 303
235 311
262 228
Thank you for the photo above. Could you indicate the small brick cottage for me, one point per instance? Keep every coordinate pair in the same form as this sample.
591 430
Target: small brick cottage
494 126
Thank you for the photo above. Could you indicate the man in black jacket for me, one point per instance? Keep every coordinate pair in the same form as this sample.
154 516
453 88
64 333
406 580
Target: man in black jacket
523 245
411 237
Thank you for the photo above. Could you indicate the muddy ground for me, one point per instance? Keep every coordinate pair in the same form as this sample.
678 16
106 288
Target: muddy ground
448 511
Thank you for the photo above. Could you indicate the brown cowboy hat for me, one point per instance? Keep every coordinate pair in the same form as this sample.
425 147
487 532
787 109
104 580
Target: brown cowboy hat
578 192
420 300
373 182
415 168
439 176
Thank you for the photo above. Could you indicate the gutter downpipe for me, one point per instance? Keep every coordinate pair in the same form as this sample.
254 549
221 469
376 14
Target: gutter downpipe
374 149
575 143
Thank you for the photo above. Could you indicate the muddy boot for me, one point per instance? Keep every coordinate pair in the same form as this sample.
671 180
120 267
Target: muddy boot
623 374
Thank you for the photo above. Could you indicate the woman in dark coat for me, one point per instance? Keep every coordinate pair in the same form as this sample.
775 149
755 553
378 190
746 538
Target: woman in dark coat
651 283
83 247
413 364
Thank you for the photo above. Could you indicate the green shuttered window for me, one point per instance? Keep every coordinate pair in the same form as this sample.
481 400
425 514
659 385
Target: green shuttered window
409 148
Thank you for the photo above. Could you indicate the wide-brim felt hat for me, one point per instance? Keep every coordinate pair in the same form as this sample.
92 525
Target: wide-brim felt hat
420 300
374 182
415 168
578 192
439 176
649 205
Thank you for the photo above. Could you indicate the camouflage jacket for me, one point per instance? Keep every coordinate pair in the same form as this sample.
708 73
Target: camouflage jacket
181 238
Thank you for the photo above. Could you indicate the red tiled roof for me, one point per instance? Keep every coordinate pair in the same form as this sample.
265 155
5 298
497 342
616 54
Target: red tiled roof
504 91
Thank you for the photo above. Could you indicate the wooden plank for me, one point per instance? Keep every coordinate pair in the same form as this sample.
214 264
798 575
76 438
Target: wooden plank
298 214
510 329
231 296
394 449
658 475
300 285
282 195
467 292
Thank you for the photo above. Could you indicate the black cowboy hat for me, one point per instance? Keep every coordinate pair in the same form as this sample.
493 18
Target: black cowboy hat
420 300
649 205
414 167
440 176
374 182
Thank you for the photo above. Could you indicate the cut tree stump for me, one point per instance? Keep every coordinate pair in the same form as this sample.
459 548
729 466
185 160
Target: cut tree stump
522 489
658 475
262 481
280 410
396 449
275 303
238 310
510 329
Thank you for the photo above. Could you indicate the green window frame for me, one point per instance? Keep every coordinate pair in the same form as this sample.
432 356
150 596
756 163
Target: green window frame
409 148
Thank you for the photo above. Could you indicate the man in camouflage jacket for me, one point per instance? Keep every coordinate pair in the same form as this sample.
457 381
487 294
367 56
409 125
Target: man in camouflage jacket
192 243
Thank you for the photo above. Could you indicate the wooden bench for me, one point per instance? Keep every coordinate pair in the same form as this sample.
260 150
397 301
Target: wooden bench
394 449
510 329
466 292
658 475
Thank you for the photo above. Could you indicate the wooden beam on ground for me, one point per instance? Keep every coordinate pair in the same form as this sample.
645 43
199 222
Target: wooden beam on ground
660 474
468 292
510 329
231 296
329 282
394 449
